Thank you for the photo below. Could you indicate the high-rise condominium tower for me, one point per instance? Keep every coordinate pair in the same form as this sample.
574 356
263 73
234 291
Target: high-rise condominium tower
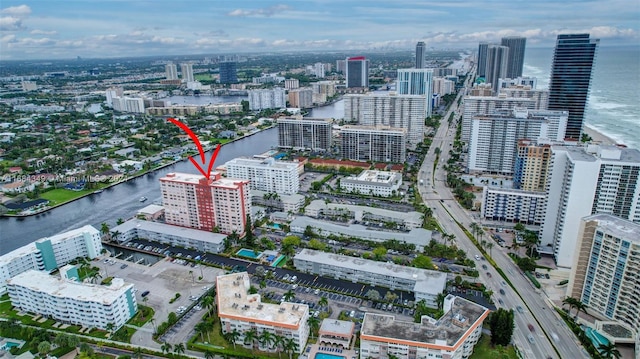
357 72
497 60
515 63
187 72
171 71
228 73
482 59
571 78
420 55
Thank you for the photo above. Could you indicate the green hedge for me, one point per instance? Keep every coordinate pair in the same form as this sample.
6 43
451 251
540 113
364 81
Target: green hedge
532 279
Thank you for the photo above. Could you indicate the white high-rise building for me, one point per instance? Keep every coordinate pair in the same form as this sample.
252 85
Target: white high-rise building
266 175
290 84
112 92
525 91
128 104
400 111
442 86
378 144
531 82
585 181
301 97
187 72
416 82
69 301
267 98
494 137
47 254
319 70
309 133
484 105
171 71
605 272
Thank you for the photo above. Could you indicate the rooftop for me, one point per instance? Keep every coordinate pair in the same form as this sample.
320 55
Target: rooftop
57 287
31 247
151 209
460 319
337 327
262 163
373 176
234 302
616 226
157 227
428 281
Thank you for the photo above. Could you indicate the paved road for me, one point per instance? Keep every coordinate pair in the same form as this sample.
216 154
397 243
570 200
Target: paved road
533 344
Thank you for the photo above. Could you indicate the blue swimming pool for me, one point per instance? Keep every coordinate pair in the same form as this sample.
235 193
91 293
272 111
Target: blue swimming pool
327 356
596 338
249 253
8 345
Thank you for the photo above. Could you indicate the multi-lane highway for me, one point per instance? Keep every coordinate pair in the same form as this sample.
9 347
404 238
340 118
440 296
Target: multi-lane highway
531 308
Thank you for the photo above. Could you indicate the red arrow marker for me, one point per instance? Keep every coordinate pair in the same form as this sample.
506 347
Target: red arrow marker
196 141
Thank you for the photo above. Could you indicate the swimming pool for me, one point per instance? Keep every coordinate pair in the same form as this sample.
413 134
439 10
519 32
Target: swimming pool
275 226
327 356
9 345
596 338
249 253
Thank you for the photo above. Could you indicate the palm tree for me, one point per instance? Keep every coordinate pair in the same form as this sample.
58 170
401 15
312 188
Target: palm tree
232 336
207 302
94 276
209 326
571 302
250 336
138 352
104 228
314 325
179 348
266 339
201 329
289 295
290 346
489 245
209 354
609 351
580 307
166 347
109 327
323 302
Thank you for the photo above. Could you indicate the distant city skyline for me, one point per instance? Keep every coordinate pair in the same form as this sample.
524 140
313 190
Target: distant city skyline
54 30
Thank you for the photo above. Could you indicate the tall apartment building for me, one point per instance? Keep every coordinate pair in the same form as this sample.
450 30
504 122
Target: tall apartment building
49 253
171 71
341 66
484 105
267 98
515 62
112 92
494 137
290 84
228 72
322 90
357 72
377 144
241 311
512 205
400 111
421 50
186 70
72 302
128 104
416 82
301 97
531 166
605 272
442 86
453 336
497 61
520 81
308 133
585 181
195 202
483 47
541 97
570 80
266 175
319 70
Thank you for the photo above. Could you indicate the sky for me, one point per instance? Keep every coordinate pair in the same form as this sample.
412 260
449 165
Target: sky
59 29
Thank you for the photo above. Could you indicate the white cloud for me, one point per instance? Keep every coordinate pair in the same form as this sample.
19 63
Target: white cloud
268 11
18 11
43 32
11 23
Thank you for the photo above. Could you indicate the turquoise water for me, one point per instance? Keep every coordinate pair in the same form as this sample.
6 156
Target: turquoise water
249 253
327 356
9 345
275 226
596 337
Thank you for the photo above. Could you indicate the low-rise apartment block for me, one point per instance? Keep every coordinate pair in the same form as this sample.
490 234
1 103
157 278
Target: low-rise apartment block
513 205
426 284
375 183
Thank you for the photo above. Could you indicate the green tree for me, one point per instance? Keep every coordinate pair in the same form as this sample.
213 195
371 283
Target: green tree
201 328
208 303
249 238
379 252
502 324
179 348
104 229
250 336
289 295
314 325
609 351
372 294
317 245
44 347
166 347
422 261
172 318
232 337
290 346
266 339
323 302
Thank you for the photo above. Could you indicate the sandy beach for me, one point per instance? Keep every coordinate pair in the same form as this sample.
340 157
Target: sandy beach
598 136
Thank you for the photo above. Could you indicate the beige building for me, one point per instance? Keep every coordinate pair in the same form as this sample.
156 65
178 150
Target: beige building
242 312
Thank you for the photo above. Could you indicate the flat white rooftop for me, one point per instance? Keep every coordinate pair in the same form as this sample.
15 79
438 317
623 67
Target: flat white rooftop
616 226
55 286
234 302
168 229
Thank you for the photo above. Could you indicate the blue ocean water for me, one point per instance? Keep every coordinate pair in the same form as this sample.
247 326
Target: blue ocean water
613 107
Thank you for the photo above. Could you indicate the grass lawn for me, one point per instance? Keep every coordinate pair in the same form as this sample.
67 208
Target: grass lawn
483 350
217 340
199 77
61 195
142 317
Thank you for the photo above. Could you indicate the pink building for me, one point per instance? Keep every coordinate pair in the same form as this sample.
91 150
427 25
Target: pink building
193 201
